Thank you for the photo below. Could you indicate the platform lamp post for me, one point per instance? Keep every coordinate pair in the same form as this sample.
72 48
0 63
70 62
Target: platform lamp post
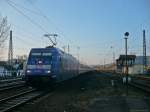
126 34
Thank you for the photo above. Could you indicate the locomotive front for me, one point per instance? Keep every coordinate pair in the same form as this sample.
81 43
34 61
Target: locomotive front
39 66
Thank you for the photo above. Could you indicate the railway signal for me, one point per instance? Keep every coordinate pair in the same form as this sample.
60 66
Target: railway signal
126 72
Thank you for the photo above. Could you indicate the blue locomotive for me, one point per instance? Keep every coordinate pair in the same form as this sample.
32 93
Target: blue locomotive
50 65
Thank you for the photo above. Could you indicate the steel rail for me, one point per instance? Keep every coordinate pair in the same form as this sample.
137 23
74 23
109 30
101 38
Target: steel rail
11 87
10 80
141 86
10 103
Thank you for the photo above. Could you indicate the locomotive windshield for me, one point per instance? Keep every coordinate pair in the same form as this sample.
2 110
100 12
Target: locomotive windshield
40 58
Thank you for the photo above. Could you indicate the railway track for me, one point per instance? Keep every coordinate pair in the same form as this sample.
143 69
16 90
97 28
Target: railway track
12 102
142 86
10 80
13 85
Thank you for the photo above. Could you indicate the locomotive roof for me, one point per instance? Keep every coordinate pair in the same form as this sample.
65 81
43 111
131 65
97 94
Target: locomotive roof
54 49
44 49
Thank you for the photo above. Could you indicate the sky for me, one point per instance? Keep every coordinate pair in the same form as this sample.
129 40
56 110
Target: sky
94 29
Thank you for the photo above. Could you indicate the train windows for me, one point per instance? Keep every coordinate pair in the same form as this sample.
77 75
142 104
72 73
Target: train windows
35 54
36 57
41 54
47 54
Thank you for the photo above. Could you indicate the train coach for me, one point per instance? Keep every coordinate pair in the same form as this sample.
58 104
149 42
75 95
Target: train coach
51 65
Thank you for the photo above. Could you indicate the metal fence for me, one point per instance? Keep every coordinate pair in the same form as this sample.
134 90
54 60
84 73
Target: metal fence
11 74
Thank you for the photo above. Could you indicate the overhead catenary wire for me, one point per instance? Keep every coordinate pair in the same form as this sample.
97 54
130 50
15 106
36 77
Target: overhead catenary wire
27 9
40 13
54 24
29 38
27 17
25 42
25 33
49 20
14 5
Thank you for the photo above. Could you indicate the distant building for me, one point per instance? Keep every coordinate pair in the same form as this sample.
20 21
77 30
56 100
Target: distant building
135 64
138 67
121 62
139 60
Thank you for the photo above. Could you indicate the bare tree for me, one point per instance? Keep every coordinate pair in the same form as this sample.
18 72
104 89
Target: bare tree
4 30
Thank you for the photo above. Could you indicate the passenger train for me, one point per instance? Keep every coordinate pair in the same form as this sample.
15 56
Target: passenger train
51 65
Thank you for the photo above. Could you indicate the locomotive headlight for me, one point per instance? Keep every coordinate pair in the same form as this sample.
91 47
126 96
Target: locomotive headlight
28 71
48 71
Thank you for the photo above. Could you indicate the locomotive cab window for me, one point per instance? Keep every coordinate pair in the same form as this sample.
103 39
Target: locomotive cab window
40 58
35 54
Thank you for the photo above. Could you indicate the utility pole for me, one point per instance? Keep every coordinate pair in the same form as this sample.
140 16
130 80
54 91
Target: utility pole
144 52
113 57
126 60
78 48
10 51
104 63
64 48
114 62
68 49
